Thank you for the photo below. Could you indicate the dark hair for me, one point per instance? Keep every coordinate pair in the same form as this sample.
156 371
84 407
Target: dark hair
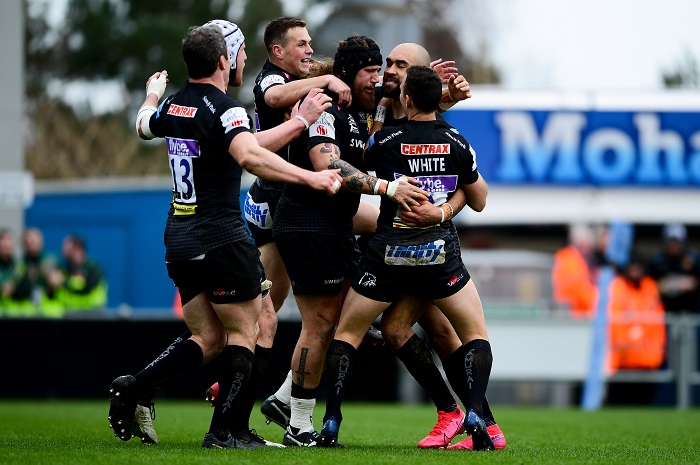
201 49
353 54
424 87
77 241
276 30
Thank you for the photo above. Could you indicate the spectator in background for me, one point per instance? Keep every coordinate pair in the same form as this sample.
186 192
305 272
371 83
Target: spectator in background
8 267
37 280
676 268
637 331
84 288
574 273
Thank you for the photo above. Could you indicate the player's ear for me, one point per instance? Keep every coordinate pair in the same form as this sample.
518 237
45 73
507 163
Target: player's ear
223 63
277 51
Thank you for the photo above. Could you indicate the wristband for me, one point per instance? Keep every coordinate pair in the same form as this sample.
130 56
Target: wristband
303 120
378 184
380 115
157 86
442 215
452 211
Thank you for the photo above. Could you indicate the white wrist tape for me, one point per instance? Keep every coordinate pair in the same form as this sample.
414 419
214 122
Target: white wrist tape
157 86
393 185
442 215
143 118
380 114
303 120
378 184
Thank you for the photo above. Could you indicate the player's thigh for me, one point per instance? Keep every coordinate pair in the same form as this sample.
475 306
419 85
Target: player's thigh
357 315
365 219
205 326
464 311
439 330
240 320
276 272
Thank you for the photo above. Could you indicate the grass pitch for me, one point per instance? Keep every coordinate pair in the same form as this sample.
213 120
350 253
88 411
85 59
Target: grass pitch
77 432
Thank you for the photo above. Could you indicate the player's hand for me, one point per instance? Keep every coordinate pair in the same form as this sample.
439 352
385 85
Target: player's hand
459 88
342 89
444 69
407 194
326 180
422 215
157 83
315 103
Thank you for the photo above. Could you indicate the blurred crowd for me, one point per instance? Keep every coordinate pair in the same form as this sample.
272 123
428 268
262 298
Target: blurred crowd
41 284
643 291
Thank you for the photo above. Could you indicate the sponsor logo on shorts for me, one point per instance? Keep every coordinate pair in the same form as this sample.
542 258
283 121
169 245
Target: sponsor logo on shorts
368 280
224 292
257 213
432 253
333 281
454 280
184 112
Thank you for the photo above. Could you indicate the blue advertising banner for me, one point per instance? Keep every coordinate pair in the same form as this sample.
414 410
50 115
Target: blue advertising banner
584 148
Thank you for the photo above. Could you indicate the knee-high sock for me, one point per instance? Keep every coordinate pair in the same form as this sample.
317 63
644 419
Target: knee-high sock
454 369
246 400
181 356
234 373
417 356
339 367
468 370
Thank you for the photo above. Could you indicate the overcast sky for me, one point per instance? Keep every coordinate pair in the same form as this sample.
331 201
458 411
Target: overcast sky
589 44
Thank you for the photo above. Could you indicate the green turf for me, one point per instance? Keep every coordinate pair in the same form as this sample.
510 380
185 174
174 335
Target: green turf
60 432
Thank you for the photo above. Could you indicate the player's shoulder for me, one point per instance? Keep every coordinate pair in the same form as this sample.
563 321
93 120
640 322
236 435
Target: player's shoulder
271 75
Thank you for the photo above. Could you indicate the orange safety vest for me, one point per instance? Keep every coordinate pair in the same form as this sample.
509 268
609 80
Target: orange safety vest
637 330
572 282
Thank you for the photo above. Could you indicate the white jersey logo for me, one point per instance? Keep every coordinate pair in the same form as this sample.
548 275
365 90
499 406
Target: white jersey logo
233 118
269 80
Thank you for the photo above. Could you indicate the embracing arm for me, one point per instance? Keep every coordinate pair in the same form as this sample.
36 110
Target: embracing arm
268 165
286 95
306 114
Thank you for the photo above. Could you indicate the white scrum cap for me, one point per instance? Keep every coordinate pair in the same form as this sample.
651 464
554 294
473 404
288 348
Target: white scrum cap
233 35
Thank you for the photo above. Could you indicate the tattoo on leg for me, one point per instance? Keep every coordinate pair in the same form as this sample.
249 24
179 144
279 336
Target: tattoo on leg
301 374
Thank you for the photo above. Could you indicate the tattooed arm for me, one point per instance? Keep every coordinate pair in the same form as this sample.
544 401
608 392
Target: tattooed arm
327 156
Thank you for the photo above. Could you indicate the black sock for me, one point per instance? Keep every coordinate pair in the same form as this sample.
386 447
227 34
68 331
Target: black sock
340 364
236 365
182 355
488 414
417 356
246 399
468 370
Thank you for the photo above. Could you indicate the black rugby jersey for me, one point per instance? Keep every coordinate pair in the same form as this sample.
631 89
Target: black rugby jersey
198 124
304 209
433 152
267 117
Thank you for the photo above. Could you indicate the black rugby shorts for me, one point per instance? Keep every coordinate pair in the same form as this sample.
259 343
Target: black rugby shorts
318 264
230 273
384 282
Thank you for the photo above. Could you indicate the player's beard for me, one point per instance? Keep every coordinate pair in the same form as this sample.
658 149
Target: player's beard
389 92
363 100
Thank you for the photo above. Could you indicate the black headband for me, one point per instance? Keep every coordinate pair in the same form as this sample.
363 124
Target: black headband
355 53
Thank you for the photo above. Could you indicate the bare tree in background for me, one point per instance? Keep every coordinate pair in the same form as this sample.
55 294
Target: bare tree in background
442 21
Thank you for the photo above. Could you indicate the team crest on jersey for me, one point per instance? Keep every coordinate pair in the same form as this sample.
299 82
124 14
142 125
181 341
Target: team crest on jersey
184 112
370 123
233 118
269 80
324 126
